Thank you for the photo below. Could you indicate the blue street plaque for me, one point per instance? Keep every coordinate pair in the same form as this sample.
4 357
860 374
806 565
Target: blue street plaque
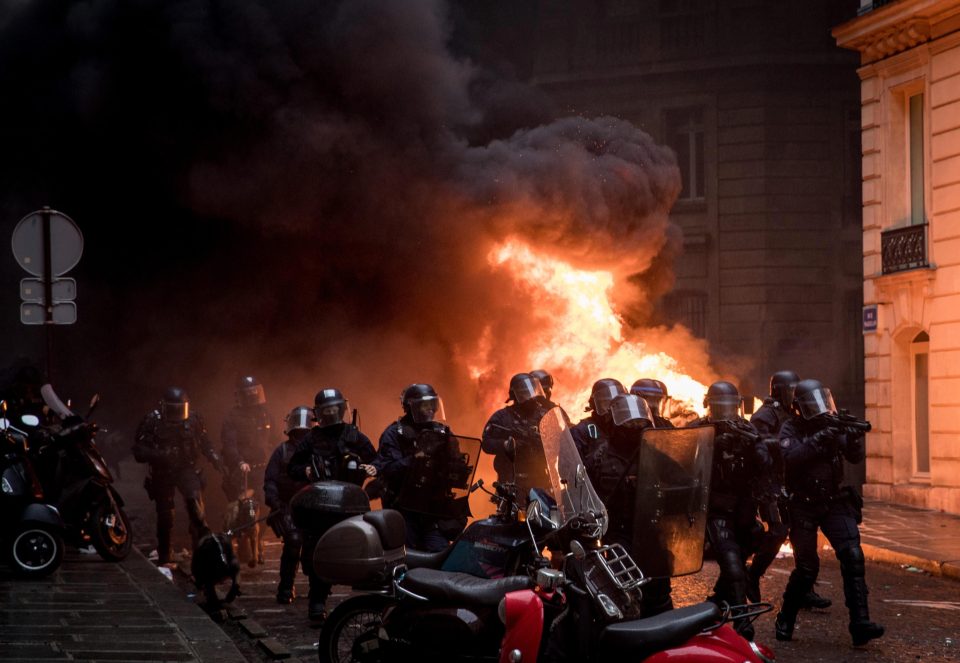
869 318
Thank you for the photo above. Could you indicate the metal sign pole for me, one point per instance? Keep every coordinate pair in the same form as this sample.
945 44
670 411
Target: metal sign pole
48 289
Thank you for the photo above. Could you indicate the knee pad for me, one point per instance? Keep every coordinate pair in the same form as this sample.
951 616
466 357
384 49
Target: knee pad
851 561
731 565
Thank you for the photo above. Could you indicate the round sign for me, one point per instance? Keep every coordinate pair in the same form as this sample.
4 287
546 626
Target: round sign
66 243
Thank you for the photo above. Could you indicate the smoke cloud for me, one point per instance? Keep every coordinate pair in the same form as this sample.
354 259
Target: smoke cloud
308 191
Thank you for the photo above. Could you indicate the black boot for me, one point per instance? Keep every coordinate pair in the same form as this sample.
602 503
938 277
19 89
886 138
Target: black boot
862 630
288 572
164 550
784 625
814 600
792 595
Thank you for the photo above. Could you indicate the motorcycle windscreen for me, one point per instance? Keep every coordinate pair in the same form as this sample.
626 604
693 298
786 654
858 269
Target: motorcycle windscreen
673 491
569 483
438 483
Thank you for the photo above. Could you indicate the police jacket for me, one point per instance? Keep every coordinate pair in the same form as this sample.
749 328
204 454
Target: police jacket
278 485
522 424
327 446
169 446
589 434
246 436
814 454
738 464
769 417
612 469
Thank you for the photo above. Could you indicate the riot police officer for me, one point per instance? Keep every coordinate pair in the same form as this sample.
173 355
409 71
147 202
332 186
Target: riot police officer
278 488
406 445
612 465
740 457
814 445
246 438
595 428
519 420
170 440
332 450
768 419
546 381
654 392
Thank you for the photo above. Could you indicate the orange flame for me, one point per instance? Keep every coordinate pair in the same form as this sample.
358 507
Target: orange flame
584 337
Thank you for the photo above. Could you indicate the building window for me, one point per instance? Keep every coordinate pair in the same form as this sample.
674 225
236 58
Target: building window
688 308
917 213
920 362
685 137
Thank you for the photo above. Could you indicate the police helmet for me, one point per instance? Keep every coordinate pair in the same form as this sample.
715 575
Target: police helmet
422 403
249 392
723 400
174 405
330 407
523 387
630 411
602 393
545 379
782 385
652 391
300 418
811 399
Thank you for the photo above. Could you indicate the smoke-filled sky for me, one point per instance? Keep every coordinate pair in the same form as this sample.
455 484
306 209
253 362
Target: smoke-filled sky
306 191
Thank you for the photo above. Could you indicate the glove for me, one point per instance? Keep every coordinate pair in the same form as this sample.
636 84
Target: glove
827 439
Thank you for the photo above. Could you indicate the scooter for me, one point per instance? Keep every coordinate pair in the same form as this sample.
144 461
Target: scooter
76 479
31 531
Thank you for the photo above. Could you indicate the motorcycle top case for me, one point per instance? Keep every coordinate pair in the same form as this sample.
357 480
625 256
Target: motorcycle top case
673 492
362 550
321 505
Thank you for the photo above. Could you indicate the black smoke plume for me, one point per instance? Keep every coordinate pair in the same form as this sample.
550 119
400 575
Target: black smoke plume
306 191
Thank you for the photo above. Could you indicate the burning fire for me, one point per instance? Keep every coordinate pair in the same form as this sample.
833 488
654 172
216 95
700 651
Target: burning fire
584 339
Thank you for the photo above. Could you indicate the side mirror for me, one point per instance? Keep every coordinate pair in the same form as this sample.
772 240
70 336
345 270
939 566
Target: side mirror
4 424
510 449
31 420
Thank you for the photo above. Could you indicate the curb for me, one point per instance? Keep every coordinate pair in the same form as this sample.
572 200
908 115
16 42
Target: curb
884 556
208 642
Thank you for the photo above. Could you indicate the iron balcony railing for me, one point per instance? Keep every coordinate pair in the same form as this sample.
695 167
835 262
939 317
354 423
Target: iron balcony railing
904 248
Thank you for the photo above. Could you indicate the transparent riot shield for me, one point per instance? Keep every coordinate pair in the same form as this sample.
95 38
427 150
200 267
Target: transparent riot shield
438 483
673 491
570 485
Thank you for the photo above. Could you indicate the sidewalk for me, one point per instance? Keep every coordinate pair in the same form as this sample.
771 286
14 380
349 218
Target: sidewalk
97 611
905 535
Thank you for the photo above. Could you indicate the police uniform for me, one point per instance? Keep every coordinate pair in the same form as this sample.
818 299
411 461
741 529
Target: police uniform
172 449
278 488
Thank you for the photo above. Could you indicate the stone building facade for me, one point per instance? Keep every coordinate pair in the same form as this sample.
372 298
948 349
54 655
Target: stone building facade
910 119
761 107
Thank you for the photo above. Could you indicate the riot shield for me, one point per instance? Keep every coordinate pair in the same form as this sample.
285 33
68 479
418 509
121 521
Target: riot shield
438 482
571 487
673 491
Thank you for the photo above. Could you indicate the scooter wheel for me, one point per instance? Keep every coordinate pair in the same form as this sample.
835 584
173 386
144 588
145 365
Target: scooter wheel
110 532
357 617
35 550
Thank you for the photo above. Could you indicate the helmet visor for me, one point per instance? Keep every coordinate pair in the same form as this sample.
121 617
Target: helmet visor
330 414
724 408
602 397
426 409
630 411
174 411
524 389
299 419
252 395
816 402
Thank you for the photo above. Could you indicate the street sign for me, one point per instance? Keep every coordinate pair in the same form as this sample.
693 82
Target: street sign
870 318
62 290
34 313
66 243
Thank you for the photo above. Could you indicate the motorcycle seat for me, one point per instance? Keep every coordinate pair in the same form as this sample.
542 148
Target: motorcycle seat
645 637
420 559
390 526
461 588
